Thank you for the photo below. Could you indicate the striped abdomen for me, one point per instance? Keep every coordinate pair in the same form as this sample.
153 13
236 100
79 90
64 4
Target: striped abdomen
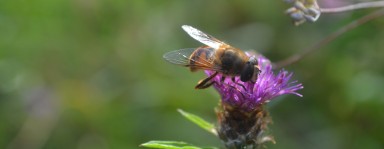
202 58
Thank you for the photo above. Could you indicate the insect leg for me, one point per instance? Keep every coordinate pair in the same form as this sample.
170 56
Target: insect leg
234 81
222 79
204 86
233 87
205 82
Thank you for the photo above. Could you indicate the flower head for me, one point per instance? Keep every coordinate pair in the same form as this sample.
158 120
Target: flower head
249 95
243 121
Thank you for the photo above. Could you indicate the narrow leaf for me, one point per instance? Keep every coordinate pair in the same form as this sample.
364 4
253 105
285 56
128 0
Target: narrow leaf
199 121
171 145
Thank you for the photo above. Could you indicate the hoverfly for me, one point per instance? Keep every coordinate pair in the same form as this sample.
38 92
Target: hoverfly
215 56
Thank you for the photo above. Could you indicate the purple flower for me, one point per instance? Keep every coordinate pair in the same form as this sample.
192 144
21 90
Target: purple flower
247 96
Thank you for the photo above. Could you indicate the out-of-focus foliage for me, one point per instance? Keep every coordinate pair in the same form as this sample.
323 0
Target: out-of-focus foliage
89 74
199 121
172 145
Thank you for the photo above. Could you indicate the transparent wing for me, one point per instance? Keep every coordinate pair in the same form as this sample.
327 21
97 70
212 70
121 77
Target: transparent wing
202 37
201 60
179 57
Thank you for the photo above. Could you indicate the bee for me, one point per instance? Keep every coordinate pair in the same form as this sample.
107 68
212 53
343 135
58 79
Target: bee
215 56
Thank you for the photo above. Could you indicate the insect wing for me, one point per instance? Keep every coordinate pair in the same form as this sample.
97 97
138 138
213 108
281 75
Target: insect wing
179 57
200 60
202 37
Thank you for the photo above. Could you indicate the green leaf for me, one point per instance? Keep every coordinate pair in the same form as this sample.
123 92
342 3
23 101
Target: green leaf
171 145
199 121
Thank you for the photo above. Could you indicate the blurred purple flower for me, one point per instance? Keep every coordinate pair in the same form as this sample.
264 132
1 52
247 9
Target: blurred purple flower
248 96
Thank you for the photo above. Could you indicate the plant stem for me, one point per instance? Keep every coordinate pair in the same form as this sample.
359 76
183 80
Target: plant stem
353 7
295 58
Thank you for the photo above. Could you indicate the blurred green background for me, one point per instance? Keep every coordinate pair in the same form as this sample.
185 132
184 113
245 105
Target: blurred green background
89 74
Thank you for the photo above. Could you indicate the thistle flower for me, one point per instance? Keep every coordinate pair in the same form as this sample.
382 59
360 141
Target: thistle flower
249 95
242 118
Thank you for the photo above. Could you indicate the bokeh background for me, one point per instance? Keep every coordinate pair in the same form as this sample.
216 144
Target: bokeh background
89 74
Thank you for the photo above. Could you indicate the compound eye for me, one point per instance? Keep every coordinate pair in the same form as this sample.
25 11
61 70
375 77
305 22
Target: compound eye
247 72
